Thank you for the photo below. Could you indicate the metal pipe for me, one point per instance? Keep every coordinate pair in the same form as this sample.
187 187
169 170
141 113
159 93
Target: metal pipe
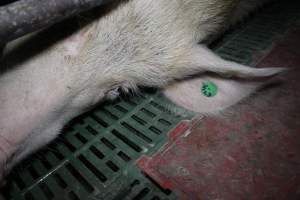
25 16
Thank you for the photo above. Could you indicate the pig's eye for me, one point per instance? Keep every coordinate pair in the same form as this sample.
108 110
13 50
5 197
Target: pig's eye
209 89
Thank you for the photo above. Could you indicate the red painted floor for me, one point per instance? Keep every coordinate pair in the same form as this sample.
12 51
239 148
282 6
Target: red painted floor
250 152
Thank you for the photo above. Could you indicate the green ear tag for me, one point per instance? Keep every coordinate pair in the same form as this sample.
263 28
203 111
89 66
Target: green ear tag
209 89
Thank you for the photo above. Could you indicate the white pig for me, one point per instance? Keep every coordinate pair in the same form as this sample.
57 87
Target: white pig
188 94
137 42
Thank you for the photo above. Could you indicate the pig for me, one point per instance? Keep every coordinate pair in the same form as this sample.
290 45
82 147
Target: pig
47 78
188 94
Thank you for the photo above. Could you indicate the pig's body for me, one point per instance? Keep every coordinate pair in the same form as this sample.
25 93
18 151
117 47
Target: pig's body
140 42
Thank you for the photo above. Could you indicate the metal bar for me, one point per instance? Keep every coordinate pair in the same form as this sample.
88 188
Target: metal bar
25 16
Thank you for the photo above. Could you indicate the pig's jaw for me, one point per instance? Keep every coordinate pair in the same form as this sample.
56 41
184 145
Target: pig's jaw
20 121
33 116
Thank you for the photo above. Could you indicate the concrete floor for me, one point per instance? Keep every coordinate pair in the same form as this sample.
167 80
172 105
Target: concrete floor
250 152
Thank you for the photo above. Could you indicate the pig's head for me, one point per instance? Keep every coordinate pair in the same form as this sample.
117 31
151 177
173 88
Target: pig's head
41 89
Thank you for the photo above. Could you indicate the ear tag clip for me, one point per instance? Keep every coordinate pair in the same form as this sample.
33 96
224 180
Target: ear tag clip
209 89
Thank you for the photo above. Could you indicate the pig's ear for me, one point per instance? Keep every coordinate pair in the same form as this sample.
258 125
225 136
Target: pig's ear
209 95
204 58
